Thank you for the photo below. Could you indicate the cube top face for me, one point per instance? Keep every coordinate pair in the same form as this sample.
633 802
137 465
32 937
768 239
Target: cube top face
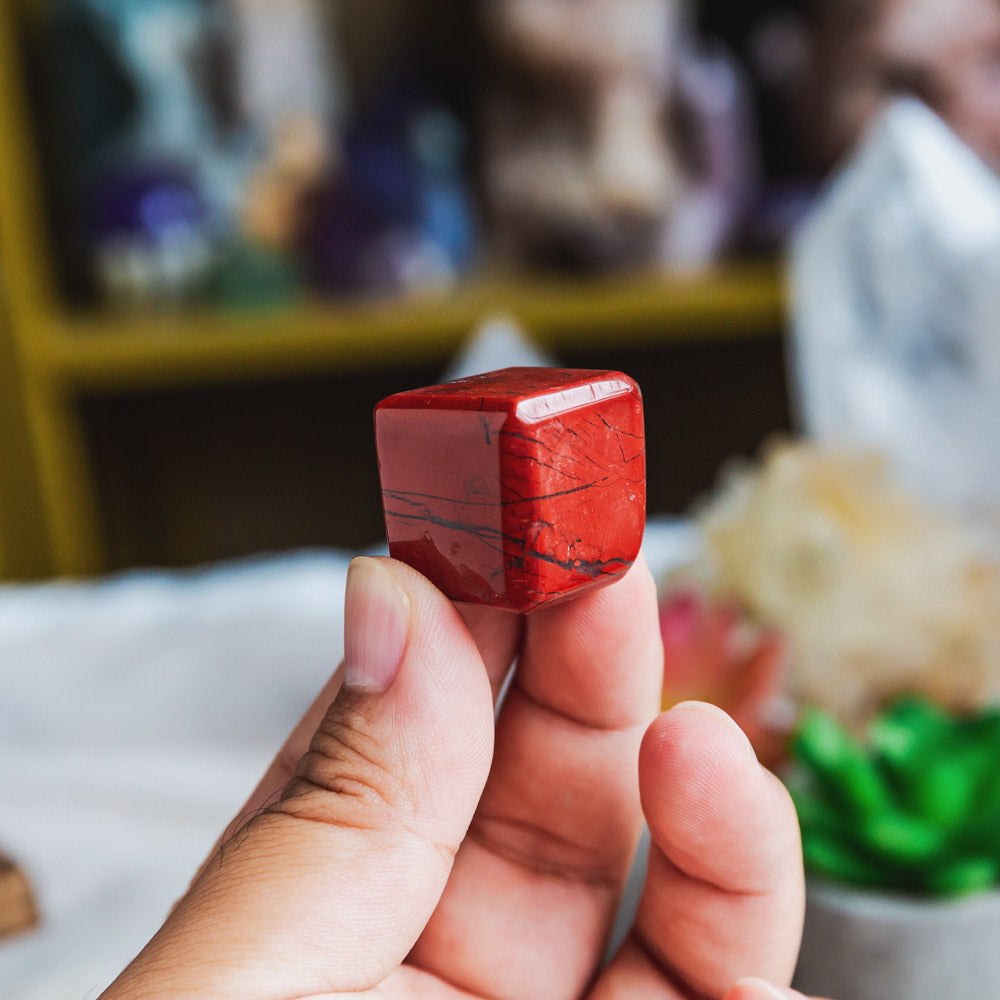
532 394
517 488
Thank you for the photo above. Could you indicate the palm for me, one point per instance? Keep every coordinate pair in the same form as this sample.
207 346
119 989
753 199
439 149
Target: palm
394 893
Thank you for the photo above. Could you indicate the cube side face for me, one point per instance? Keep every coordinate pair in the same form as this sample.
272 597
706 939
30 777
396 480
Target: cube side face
440 473
574 498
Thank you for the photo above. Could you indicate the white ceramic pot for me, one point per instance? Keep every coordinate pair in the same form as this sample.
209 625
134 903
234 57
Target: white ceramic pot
864 945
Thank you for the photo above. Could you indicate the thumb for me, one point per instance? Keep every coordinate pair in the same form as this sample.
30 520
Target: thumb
328 889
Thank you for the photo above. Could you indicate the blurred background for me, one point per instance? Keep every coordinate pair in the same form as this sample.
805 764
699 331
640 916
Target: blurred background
229 227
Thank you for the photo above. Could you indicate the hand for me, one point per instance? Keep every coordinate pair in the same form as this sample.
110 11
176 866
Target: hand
392 850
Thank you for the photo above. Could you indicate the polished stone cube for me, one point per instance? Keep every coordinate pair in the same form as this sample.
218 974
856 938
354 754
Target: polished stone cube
515 488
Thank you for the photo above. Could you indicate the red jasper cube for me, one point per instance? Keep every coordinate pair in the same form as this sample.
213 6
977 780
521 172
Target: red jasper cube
515 488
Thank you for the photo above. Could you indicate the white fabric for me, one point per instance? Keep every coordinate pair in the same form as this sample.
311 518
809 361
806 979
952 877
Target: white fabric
136 715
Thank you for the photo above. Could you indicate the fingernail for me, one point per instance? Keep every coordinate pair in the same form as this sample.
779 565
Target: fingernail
376 621
759 989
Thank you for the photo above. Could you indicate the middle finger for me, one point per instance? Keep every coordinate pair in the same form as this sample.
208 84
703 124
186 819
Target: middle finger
538 879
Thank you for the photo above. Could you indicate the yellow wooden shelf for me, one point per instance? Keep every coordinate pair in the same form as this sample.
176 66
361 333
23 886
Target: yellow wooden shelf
50 357
105 349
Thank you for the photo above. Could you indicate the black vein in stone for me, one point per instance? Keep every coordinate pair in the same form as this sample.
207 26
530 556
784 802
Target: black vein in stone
406 496
523 437
483 532
585 567
486 429
547 465
617 430
561 493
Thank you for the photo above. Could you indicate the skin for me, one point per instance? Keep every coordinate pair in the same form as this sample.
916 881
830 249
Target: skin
403 844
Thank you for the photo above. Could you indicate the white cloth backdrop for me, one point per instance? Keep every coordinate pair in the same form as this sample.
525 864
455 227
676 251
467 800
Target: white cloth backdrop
136 714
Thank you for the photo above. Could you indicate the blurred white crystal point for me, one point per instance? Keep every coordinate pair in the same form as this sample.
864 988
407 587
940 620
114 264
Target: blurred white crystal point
896 310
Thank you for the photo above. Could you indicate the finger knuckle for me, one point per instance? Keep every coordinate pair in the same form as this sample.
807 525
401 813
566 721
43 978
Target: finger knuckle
346 777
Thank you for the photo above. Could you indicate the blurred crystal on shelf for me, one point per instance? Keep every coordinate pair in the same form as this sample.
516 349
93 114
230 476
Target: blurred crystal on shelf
586 162
188 137
895 282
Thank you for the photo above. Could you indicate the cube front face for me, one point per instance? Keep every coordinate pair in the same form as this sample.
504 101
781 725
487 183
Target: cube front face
517 488
440 472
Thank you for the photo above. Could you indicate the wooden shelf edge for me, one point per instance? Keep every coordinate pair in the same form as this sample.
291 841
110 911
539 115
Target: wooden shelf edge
120 350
